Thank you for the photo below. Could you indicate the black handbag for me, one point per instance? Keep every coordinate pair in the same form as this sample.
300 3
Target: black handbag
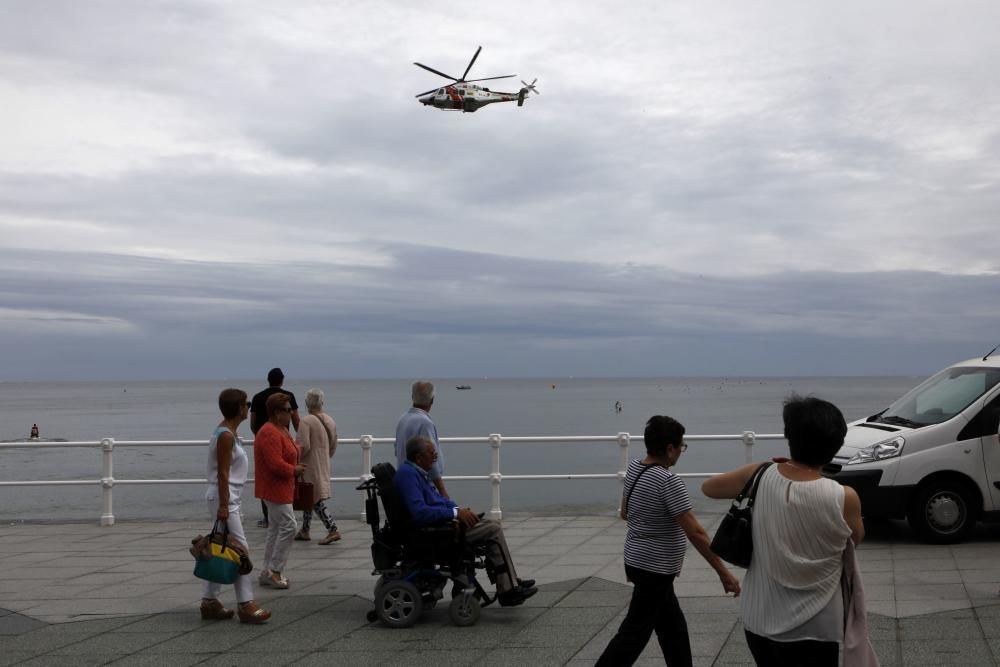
733 541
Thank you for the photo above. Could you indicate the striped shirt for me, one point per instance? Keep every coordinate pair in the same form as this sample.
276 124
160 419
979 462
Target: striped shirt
655 542
792 589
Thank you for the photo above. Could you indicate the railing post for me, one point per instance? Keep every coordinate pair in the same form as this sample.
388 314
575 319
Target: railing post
366 467
623 442
495 477
107 481
749 438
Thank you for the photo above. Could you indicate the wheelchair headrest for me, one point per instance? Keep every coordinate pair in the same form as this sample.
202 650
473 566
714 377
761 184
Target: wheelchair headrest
383 474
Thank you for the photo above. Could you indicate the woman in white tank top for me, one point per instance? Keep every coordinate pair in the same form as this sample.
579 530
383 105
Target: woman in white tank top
792 609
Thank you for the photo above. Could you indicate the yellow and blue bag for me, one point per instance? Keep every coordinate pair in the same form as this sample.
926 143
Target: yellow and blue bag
219 559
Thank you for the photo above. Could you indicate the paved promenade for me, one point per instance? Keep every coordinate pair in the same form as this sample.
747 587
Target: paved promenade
84 595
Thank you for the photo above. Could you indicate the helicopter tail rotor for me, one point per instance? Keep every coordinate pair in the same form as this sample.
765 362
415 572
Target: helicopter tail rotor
528 87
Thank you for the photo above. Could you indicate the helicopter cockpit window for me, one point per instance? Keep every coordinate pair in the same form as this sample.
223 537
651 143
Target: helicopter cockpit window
440 91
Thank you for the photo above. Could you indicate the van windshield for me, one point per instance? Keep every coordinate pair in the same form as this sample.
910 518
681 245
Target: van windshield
941 397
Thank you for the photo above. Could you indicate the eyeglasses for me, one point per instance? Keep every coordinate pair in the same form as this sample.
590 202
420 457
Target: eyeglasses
683 447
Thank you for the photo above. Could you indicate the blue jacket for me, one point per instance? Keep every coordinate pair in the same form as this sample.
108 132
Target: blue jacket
425 505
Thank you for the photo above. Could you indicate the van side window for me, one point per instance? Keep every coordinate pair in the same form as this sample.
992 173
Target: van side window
986 423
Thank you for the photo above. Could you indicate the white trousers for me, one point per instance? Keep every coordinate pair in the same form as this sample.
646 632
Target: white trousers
281 527
244 584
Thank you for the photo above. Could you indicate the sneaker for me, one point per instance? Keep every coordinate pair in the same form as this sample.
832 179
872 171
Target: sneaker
302 535
331 537
526 583
515 596
265 578
212 610
252 614
262 523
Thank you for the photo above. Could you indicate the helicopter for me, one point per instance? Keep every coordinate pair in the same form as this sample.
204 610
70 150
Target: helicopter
463 95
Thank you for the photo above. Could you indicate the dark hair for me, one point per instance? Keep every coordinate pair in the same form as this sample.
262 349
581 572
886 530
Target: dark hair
814 428
660 432
415 445
275 401
275 377
231 401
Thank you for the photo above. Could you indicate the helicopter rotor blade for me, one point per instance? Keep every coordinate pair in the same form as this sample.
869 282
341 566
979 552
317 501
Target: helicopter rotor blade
474 56
431 69
531 86
490 78
426 93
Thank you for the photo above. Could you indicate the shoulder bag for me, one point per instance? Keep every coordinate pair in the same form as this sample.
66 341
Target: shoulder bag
635 481
733 541
218 557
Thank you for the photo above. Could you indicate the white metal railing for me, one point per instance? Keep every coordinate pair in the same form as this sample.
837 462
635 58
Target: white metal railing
366 442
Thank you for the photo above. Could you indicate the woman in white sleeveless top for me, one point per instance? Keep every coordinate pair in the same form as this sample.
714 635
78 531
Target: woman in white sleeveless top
792 607
228 468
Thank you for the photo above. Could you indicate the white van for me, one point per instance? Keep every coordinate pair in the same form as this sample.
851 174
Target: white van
933 456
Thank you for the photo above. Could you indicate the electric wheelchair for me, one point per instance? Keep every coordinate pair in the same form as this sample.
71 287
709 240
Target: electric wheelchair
415 565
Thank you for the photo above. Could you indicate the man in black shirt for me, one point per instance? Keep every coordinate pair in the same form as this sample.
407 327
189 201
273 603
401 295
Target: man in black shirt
258 413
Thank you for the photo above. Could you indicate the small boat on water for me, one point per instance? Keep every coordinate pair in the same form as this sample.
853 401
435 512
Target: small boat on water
463 386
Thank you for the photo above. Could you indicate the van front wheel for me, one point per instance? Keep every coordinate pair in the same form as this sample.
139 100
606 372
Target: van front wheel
942 512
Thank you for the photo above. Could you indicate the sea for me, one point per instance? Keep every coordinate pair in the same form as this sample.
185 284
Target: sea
155 410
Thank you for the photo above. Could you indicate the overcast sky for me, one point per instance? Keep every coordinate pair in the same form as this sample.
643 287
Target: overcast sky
209 189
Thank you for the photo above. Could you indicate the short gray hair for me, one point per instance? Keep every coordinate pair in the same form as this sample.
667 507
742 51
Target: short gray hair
422 392
314 399
415 445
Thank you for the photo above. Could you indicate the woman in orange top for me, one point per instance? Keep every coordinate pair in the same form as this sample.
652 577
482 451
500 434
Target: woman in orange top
276 463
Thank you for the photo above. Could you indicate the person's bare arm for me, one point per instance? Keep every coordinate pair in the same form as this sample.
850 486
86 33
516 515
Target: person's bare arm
852 514
729 484
703 543
224 460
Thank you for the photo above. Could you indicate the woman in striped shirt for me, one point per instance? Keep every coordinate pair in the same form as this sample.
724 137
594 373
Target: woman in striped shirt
792 608
660 522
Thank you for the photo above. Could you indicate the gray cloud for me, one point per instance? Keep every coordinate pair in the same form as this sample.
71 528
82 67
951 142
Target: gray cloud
785 188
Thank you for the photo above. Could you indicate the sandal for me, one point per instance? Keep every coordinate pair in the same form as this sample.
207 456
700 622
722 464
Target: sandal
213 610
274 580
331 537
252 614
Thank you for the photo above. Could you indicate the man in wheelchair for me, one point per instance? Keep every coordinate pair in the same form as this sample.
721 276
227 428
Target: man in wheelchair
427 507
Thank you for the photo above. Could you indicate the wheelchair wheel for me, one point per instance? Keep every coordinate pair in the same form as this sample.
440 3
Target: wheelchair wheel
398 604
464 610
378 584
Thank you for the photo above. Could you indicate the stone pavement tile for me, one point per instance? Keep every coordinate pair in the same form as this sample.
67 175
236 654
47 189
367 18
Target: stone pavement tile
982 590
946 652
986 607
873 566
114 642
34 590
584 598
562 584
151 659
170 622
983 562
702 623
876 592
922 564
925 577
71 660
15 657
980 576
882 607
927 592
598 584
540 636
377 637
519 656
699 588
719 604
907 608
910 551
887 651
226 636
18 624
948 625
587 616
882 628
580 556
866 554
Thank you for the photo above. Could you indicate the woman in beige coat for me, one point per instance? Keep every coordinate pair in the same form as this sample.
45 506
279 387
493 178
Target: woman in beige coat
317 435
